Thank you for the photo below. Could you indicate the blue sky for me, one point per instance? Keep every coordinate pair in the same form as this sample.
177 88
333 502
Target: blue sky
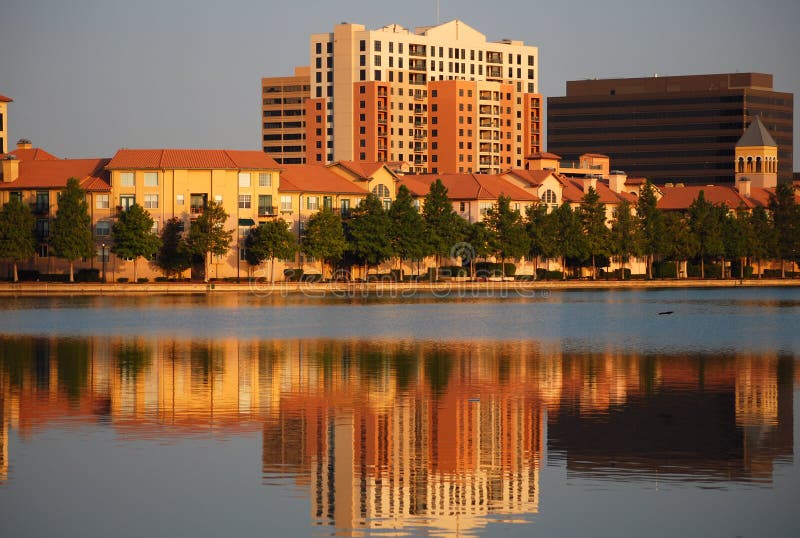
90 76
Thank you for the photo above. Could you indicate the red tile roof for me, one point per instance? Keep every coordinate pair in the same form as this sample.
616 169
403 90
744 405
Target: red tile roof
203 159
91 173
317 179
4 99
469 186
33 154
573 192
365 170
677 198
532 177
636 181
596 155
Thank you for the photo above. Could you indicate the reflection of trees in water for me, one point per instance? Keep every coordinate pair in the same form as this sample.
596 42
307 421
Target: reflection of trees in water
72 359
205 360
133 358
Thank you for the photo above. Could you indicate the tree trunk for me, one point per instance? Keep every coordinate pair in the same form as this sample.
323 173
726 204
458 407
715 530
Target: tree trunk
594 269
722 269
272 270
207 265
649 267
702 268
759 268
502 268
783 269
741 268
71 272
563 267
535 266
16 276
135 272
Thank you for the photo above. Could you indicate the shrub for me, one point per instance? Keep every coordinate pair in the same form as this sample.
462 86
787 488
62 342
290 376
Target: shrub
87 275
664 269
142 280
544 274
311 277
712 270
122 280
524 278
26 275
292 275
494 269
162 279
615 274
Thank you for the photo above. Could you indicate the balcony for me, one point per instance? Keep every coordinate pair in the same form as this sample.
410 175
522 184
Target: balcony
417 65
196 209
267 211
419 95
416 50
494 57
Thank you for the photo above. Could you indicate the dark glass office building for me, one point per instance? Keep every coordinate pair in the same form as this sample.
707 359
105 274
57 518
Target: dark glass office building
670 129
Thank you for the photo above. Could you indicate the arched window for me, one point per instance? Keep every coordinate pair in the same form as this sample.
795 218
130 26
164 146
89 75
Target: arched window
749 164
549 197
741 165
381 191
758 164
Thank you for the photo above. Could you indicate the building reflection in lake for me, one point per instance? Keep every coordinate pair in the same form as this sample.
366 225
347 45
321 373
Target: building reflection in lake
398 434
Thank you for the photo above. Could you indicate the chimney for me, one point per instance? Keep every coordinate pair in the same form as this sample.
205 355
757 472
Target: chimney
616 180
10 169
589 183
24 143
743 186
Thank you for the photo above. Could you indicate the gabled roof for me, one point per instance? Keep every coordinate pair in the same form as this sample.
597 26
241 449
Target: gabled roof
534 178
468 186
678 198
202 159
573 192
756 135
364 170
4 99
315 178
91 173
33 154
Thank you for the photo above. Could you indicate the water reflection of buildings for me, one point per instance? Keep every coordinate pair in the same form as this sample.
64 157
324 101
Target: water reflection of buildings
704 418
396 435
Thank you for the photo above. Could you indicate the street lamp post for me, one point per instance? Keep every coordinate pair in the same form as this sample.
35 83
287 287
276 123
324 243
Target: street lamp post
103 255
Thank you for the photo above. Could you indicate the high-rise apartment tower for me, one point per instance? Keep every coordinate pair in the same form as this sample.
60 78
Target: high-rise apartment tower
441 98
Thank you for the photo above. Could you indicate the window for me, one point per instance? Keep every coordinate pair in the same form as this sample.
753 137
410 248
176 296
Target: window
102 201
244 179
264 179
244 201
312 203
151 201
265 205
154 228
327 202
103 228
549 197
126 201
179 199
484 207
126 179
217 198
286 203
344 205
151 179
381 191
462 207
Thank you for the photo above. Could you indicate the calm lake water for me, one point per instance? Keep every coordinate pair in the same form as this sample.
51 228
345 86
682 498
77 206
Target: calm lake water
557 414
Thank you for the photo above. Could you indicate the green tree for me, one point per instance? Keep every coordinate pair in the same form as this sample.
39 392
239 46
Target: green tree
735 238
540 226
323 238
207 235
133 237
592 215
407 231
507 235
17 238
368 232
652 225
567 235
625 234
442 225
71 236
786 222
478 237
705 221
680 244
270 240
174 256
763 236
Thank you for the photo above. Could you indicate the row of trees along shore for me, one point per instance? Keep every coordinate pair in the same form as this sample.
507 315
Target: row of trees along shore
578 237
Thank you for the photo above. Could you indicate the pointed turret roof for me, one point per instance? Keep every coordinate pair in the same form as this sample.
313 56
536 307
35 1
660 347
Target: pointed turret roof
756 135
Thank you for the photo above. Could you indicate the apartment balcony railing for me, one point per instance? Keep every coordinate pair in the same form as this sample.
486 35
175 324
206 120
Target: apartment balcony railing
416 50
196 209
419 95
417 65
267 211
